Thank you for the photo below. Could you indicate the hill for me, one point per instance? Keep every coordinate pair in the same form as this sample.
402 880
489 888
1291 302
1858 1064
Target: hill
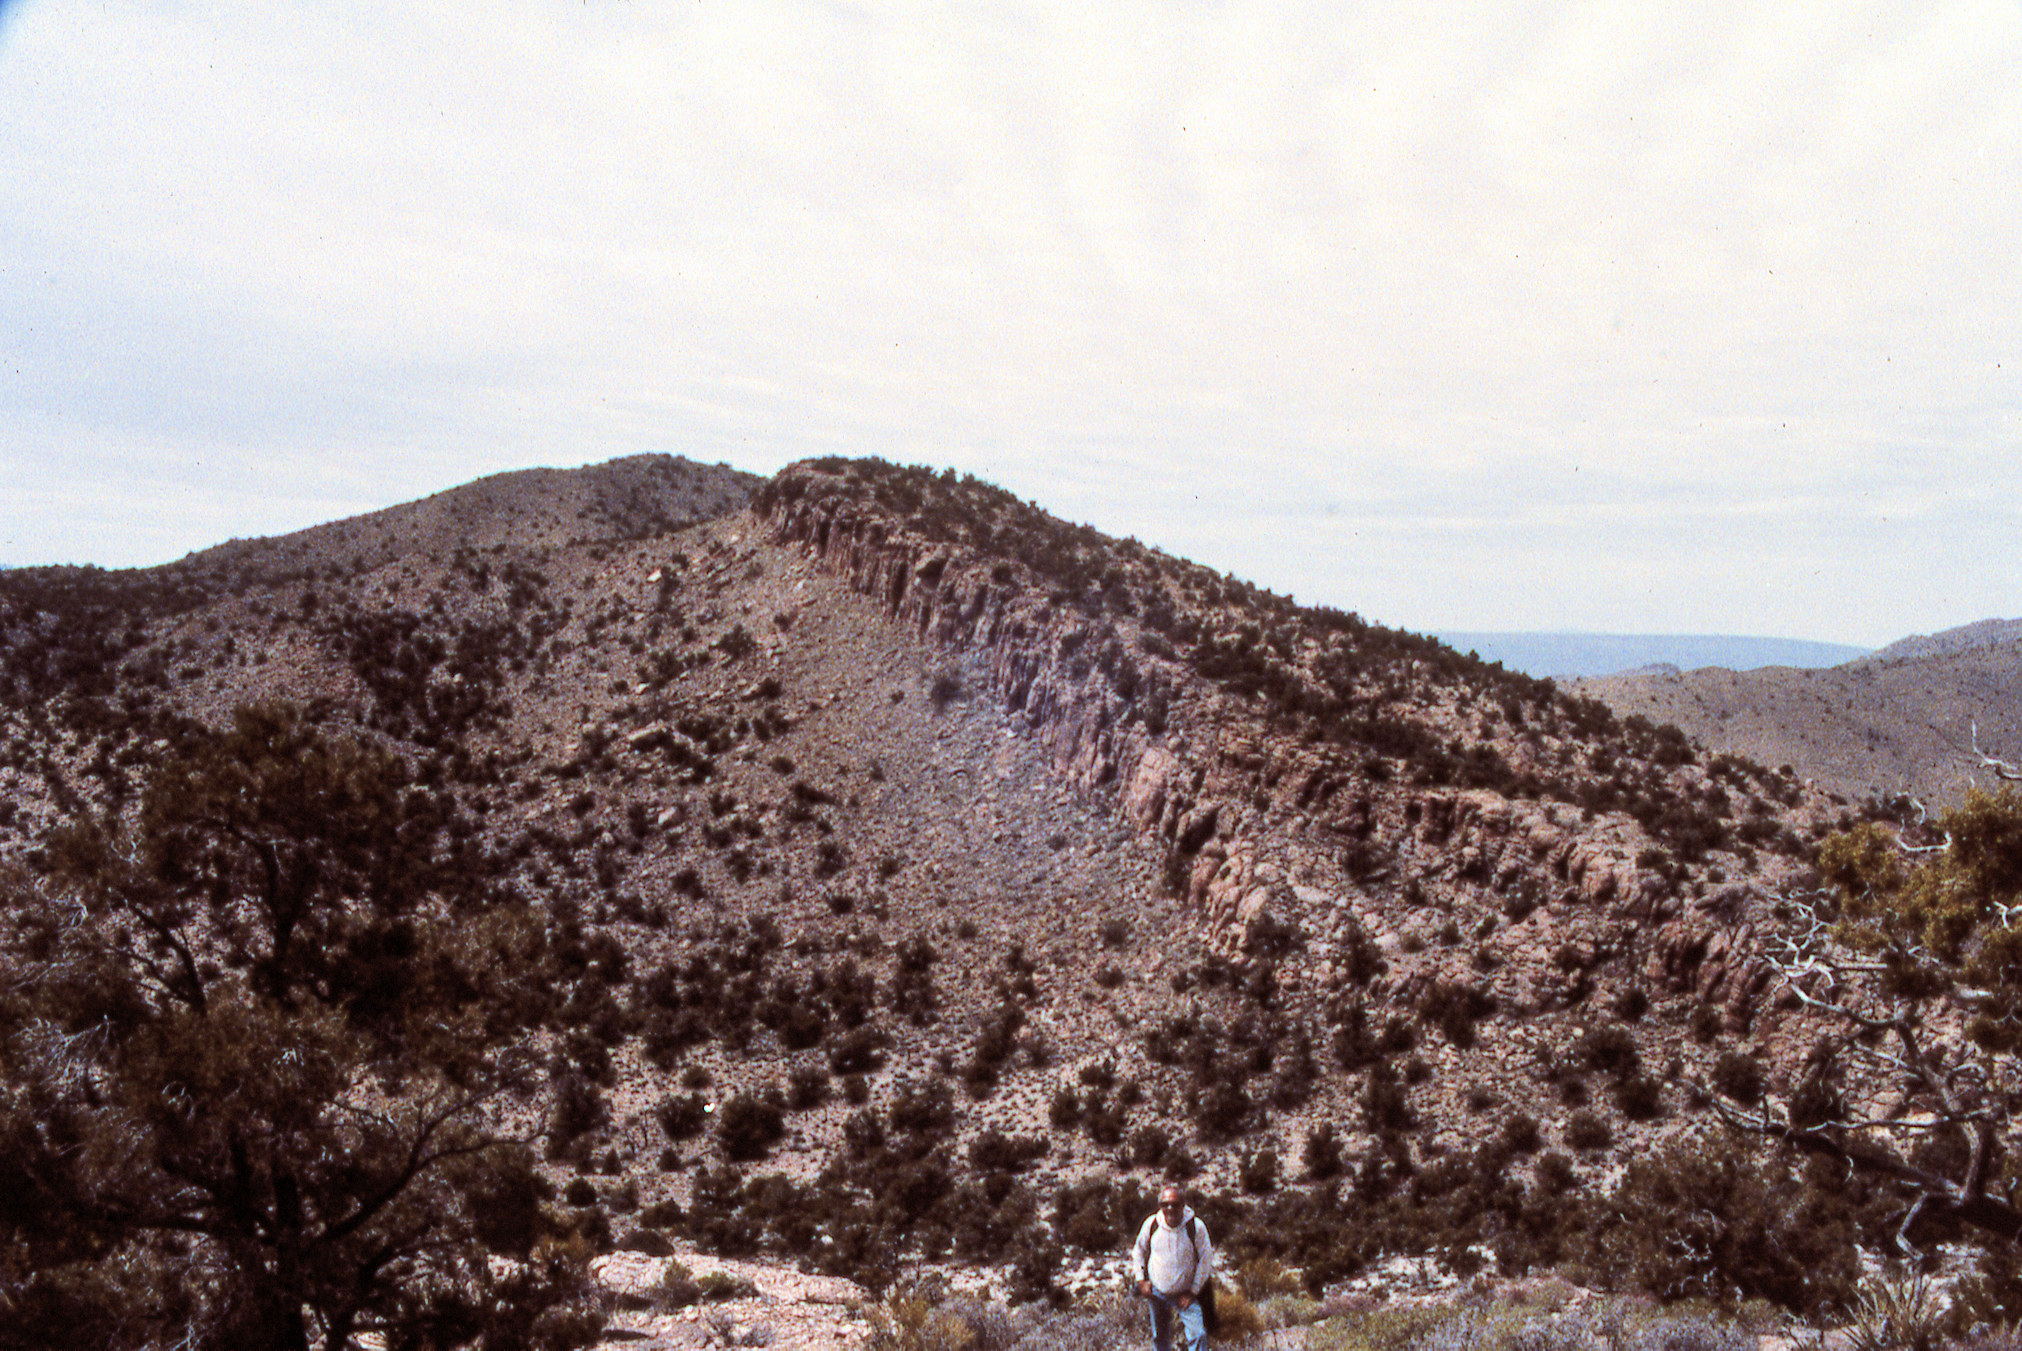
1900 720
1561 656
931 876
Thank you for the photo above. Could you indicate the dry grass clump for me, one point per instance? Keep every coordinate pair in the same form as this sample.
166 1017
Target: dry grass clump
1540 1325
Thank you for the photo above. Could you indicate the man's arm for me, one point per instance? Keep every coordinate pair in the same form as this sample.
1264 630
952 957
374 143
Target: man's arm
1204 1256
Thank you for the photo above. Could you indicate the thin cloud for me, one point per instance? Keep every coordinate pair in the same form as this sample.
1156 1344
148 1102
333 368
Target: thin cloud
1686 283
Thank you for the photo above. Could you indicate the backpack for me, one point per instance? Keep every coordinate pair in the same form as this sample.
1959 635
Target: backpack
1206 1298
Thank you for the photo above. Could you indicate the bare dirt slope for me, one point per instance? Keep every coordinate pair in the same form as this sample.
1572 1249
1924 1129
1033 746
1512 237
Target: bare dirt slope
1898 721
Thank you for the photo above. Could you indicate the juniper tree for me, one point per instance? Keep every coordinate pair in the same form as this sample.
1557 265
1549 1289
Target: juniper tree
251 1038
1911 950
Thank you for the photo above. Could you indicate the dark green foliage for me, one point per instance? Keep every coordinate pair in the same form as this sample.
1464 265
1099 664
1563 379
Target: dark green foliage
1322 1155
1700 1218
1454 1010
1610 1049
995 1152
1638 1097
1739 1076
749 1125
1588 1132
682 1117
283 918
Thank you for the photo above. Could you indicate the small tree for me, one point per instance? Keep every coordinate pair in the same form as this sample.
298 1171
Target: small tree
1912 949
249 1036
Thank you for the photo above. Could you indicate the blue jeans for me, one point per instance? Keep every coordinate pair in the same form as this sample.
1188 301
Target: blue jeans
1193 1330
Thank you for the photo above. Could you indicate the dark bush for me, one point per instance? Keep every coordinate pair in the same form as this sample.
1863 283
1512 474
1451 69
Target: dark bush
1257 1172
1588 1132
1738 1075
807 1087
1610 1049
860 1051
995 1152
1148 1147
748 1126
1638 1097
682 1118
1702 1219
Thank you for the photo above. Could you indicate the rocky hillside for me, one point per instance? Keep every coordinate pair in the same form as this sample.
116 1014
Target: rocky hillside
1897 721
933 876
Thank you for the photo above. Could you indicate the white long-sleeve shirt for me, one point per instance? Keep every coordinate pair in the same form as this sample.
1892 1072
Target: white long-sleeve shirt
1172 1262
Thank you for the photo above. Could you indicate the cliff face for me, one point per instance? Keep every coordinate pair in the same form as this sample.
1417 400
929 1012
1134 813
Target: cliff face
1271 825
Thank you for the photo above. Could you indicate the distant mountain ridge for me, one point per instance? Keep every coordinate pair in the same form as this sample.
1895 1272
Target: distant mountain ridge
1560 656
1987 633
1903 719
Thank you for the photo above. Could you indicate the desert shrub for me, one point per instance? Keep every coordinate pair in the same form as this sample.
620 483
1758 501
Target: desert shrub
1063 1112
1225 1109
946 688
1701 1218
807 1086
1609 1049
912 992
1257 1172
993 1151
721 1285
1295 1071
579 1109
1520 1134
682 1117
859 1051
1454 1009
927 1112
1587 1131
749 1125
1393 1327
1384 1106
1738 1075
1322 1154
1638 1097
1104 1119
1148 1146
675 1289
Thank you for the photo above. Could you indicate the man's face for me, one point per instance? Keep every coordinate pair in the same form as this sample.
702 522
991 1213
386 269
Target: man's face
1170 1206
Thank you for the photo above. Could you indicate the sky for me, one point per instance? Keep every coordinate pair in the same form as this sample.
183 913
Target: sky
1613 317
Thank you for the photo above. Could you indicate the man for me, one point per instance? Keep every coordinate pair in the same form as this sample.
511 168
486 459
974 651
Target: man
1172 1261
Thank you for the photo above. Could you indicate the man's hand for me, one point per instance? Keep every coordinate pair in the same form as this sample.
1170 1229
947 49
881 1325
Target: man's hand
1144 1289
1183 1300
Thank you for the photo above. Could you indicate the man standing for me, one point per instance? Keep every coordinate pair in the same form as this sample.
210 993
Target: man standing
1172 1261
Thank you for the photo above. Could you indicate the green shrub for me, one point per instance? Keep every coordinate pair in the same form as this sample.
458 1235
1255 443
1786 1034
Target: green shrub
1588 1132
1701 1218
748 1126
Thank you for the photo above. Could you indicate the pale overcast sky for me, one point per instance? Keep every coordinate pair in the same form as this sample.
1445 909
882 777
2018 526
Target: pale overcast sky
1633 317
